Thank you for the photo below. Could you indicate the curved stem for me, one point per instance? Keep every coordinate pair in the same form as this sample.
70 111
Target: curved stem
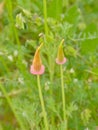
63 96
42 103
12 108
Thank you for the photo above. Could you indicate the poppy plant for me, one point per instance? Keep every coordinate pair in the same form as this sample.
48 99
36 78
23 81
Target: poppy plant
60 60
37 68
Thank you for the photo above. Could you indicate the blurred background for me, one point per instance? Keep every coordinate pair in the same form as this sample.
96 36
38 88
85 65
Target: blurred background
22 29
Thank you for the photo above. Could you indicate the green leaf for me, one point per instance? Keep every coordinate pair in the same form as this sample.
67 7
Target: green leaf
89 46
55 8
72 15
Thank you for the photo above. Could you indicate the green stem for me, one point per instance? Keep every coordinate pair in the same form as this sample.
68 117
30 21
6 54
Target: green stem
76 123
66 3
46 33
42 103
12 108
1 128
63 96
45 17
12 21
13 29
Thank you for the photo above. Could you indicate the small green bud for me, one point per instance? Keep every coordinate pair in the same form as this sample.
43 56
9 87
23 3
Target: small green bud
20 21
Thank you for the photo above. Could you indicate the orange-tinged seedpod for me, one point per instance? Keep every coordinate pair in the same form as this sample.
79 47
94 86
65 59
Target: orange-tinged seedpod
60 56
37 68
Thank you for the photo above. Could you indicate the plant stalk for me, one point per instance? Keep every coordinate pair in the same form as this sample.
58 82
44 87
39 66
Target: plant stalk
66 3
63 96
12 22
45 17
42 103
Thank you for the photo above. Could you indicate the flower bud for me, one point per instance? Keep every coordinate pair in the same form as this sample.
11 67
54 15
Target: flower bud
60 56
37 68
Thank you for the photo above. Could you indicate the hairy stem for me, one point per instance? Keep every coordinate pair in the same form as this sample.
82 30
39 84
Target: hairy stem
42 103
63 96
